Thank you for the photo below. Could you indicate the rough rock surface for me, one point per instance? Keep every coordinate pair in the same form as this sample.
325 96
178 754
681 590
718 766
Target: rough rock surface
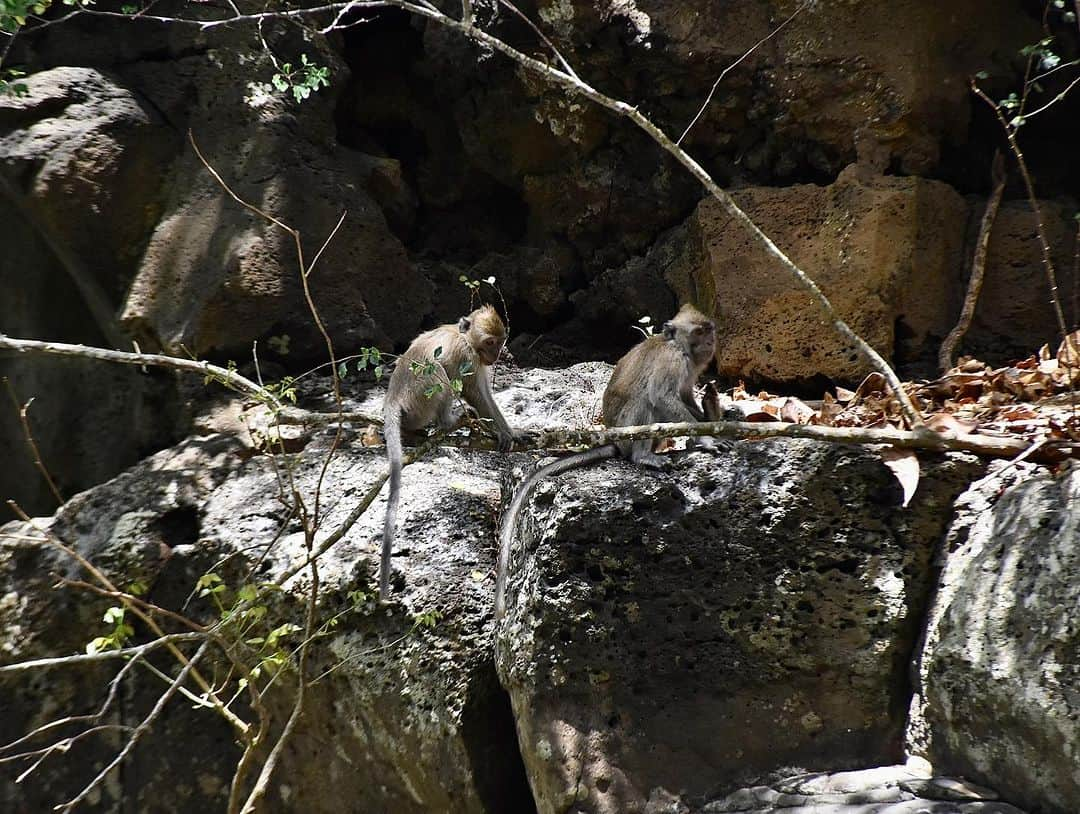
882 249
214 275
80 188
683 632
1000 672
411 720
908 789
1014 316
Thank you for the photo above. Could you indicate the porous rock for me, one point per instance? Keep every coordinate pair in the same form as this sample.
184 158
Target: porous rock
409 716
681 632
882 249
999 674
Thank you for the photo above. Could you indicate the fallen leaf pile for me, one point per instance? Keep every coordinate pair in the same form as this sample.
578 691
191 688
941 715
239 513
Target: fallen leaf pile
1035 398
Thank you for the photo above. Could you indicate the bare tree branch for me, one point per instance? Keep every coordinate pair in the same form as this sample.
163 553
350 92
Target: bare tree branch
104 655
1029 184
24 418
140 730
229 378
732 66
978 265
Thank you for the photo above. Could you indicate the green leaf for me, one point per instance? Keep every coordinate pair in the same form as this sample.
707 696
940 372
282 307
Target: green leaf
114 615
378 373
342 370
982 75
247 593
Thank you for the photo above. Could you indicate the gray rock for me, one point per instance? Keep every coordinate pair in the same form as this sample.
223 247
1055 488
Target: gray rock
1000 672
688 629
408 718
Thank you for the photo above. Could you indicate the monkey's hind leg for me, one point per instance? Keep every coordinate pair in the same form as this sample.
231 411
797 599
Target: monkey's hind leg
640 452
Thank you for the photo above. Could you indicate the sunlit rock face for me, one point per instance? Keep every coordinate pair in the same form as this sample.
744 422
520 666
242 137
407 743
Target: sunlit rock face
688 630
1000 672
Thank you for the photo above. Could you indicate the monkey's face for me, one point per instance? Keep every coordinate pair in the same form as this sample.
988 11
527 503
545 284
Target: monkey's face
703 340
490 347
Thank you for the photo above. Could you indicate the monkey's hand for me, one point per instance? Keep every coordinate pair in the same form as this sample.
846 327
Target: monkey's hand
507 440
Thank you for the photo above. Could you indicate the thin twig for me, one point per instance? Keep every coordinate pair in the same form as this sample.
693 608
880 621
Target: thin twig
94 717
104 655
578 86
978 265
35 453
132 603
731 67
1040 228
543 37
140 730
573 83
305 271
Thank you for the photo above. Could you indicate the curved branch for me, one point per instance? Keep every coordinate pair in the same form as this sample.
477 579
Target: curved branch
229 378
978 266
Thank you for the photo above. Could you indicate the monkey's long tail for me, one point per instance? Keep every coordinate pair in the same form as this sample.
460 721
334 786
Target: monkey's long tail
509 518
392 434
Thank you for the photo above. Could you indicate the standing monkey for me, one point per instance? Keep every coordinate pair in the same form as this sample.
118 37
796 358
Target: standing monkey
414 400
654 382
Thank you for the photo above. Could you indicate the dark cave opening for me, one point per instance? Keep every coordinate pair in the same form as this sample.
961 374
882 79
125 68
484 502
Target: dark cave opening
400 103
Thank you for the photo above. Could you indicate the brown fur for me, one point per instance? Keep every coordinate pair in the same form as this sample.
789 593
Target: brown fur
477 339
654 382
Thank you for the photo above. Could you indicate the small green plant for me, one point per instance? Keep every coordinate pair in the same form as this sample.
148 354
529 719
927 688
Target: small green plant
373 358
120 633
10 84
474 285
428 618
279 344
284 390
301 80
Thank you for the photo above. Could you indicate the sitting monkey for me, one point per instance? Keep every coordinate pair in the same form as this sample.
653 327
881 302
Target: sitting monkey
461 352
654 382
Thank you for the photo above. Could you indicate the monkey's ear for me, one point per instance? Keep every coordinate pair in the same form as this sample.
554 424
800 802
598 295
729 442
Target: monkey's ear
463 325
669 330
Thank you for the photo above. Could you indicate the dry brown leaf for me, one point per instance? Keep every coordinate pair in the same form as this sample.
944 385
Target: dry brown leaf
843 395
760 417
796 411
948 423
904 465
371 437
873 383
1068 354
969 364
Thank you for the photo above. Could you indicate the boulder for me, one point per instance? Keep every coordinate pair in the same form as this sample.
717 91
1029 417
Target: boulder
999 675
408 715
80 190
679 633
884 250
1014 315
